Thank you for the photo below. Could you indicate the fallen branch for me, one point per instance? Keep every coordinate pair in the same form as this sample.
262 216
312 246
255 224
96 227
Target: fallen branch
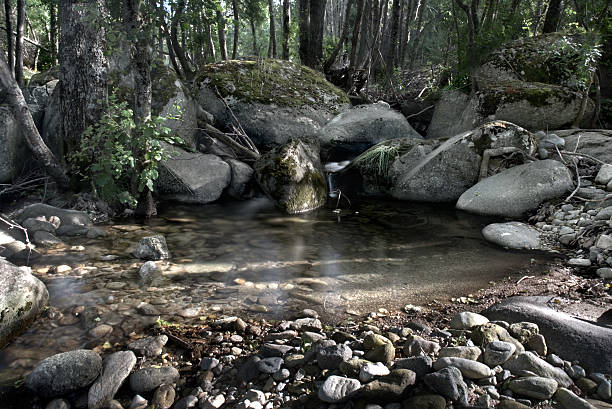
12 225
420 112
488 153
583 155
567 199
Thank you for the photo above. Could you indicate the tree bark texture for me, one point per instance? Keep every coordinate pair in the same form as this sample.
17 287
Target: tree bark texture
22 114
179 51
53 30
272 44
83 66
316 26
10 50
21 22
254 35
286 28
304 31
236 28
139 34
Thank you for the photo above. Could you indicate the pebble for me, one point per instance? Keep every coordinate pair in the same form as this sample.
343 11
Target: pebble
335 389
149 346
270 365
469 369
330 357
467 320
579 262
449 383
147 379
371 370
115 369
534 387
498 352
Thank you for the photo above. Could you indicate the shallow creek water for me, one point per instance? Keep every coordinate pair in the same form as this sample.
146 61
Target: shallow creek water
246 258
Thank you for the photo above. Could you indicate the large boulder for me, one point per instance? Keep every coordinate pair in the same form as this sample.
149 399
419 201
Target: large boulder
13 149
518 190
567 336
430 170
292 176
22 299
273 100
533 106
531 82
191 177
357 129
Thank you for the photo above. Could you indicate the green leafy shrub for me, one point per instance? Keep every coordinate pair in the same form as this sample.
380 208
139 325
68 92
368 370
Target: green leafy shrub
119 157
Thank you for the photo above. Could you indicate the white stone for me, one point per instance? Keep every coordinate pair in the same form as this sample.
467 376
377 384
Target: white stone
371 370
604 176
604 242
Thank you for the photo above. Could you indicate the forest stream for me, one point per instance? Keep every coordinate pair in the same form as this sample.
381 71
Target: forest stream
230 258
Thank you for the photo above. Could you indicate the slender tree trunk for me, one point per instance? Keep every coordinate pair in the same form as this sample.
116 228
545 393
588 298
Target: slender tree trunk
179 51
304 30
355 39
472 18
21 20
553 15
10 51
209 36
53 30
343 36
83 70
272 43
536 17
236 28
221 32
22 114
286 28
390 55
254 35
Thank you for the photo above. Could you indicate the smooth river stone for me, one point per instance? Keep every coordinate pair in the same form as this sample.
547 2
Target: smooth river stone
535 387
337 388
469 369
63 373
115 369
147 379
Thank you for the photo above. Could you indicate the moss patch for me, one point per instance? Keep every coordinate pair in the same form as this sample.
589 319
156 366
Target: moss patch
270 81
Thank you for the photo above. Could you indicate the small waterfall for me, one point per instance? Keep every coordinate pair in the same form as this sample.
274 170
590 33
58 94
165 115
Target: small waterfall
331 168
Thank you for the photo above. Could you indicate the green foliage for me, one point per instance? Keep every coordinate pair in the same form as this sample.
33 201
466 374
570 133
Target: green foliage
578 60
120 157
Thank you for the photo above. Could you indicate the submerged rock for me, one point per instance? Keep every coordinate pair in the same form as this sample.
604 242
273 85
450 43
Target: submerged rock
22 298
152 248
292 176
517 190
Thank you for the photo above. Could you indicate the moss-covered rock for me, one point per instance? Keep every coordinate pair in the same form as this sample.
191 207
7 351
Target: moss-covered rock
553 58
274 100
292 176
387 168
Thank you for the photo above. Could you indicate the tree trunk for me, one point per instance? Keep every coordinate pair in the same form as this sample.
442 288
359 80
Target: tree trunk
472 18
286 28
10 51
179 51
355 39
304 30
392 45
83 70
254 35
236 28
21 17
22 114
553 15
209 36
53 31
272 43
221 33
315 37
536 17
343 36
139 33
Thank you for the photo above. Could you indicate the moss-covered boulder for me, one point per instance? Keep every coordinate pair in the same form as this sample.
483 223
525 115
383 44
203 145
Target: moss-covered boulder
535 82
274 100
534 106
292 176
554 58
22 299
408 169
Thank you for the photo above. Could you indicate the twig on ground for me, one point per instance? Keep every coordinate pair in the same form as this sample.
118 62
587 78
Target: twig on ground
420 112
524 278
567 199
